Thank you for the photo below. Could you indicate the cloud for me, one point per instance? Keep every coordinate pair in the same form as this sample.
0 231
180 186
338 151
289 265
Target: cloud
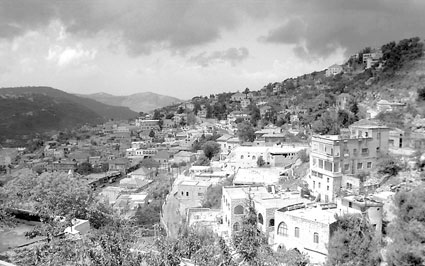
317 28
64 56
143 26
231 55
314 28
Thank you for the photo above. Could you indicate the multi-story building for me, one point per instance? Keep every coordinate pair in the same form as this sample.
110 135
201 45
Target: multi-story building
334 156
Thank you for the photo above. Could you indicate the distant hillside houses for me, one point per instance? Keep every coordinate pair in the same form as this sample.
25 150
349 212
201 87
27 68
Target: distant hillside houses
333 70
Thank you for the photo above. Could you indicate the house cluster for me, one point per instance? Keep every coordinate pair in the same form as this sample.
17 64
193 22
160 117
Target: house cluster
341 179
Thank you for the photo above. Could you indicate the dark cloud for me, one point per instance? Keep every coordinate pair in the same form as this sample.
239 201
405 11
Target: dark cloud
142 25
231 55
317 28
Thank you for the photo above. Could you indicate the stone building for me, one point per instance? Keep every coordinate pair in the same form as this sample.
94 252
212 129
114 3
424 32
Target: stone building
336 157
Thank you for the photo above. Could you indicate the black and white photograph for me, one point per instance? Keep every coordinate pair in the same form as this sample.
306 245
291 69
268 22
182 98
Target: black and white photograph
212 133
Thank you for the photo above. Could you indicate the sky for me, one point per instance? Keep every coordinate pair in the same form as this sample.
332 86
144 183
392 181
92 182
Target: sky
188 48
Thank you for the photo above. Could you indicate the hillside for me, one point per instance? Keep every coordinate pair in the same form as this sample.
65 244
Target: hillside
139 102
30 110
103 110
309 103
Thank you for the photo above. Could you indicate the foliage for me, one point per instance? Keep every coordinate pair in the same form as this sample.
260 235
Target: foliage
392 118
395 55
212 197
421 94
353 242
149 163
84 168
260 161
389 166
304 157
202 161
407 231
326 124
211 148
246 132
50 195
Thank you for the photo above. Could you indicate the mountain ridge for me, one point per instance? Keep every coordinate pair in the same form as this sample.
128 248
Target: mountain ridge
139 102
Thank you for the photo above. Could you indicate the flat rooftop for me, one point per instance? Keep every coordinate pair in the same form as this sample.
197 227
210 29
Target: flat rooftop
316 214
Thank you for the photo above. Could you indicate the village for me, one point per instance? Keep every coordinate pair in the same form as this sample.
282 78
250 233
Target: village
298 183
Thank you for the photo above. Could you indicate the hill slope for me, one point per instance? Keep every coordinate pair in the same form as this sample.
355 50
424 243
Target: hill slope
139 102
30 110
103 110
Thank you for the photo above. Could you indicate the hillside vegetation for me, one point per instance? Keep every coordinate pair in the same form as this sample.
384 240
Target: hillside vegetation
139 102
28 111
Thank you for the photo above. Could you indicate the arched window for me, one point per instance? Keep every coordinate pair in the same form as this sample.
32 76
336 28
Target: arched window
260 218
297 232
316 238
282 229
253 157
236 227
238 209
271 222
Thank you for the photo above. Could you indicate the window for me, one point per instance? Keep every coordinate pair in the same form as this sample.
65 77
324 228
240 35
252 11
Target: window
236 227
314 184
241 156
354 151
320 163
253 157
346 167
350 204
369 164
187 194
327 188
328 179
359 165
297 232
366 134
271 223
282 229
238 209
319 184
365 151
316 238
260 218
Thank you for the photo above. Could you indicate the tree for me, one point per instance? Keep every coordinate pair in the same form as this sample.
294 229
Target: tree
211 148
353 242
49 195
84 168
152 134
149 163
246 132
202 161
212 197
421 94
156 115
389 166
407 231
180 110
191 119
304 156
260 161
196 108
